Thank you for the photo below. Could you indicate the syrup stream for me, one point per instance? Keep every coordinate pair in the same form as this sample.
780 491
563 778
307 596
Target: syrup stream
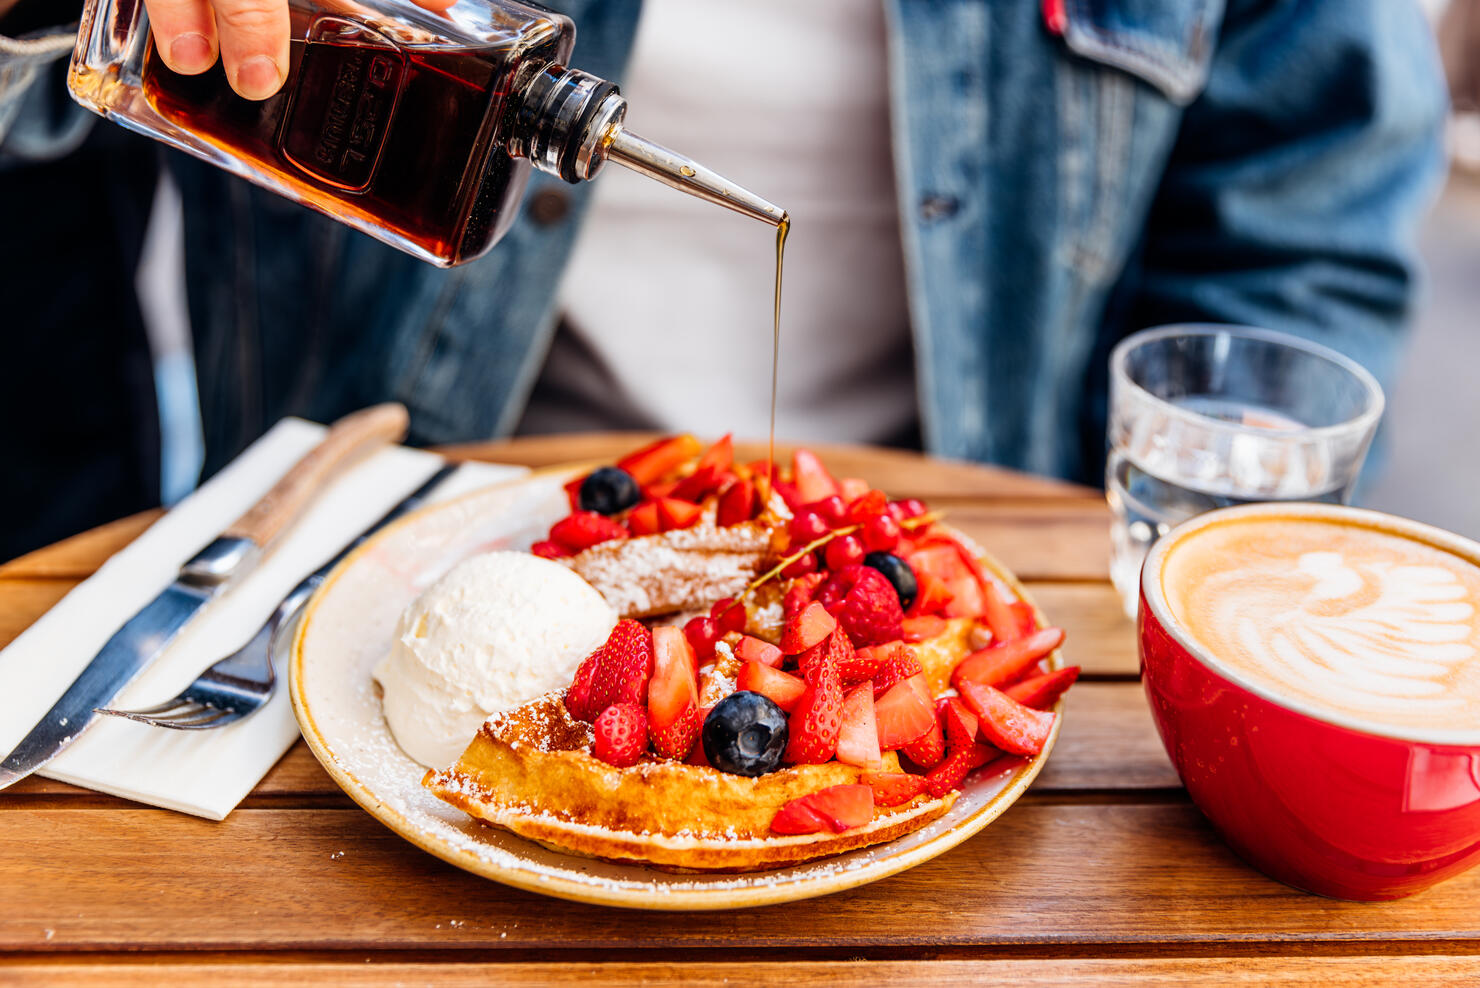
782 229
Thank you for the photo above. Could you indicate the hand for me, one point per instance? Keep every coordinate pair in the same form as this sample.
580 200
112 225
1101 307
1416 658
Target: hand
251 37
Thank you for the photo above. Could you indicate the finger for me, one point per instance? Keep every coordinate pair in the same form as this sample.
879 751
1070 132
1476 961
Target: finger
254 44
184 34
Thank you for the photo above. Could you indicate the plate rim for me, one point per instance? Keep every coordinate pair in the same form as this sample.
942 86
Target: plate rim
598 892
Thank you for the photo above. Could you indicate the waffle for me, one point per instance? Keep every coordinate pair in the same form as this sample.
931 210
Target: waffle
530 771
682 570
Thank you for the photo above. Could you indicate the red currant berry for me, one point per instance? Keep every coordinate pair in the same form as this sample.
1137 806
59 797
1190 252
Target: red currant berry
807 526
845 551
832 509
911 508
702 634
807 564
880 533
728 616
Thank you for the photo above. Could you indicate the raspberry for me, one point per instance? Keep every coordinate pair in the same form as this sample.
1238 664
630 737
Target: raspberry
865 604
621 734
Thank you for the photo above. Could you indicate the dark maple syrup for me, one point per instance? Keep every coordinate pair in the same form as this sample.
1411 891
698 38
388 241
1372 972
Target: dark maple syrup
407 137
782 229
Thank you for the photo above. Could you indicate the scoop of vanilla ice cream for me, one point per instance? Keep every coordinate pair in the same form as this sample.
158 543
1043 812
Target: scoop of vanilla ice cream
497 630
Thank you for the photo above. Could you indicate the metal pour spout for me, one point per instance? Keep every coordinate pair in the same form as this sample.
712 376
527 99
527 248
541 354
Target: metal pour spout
686 175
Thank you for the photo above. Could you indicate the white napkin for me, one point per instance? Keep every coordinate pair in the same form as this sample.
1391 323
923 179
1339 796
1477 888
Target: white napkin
206 773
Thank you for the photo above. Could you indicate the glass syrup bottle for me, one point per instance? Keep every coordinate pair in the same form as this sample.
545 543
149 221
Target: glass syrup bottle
414 127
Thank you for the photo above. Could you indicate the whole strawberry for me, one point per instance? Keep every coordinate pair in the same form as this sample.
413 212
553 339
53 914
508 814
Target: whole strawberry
621 734
617 672
865 603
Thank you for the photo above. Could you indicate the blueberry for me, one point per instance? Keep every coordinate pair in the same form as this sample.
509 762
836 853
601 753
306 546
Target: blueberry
897 572
745 734
609 490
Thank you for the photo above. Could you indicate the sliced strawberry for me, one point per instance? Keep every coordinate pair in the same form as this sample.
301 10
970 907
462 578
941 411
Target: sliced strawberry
1027 621
751 649
810 477
951 773
720 456
573 491
1006 723
800 594
865 664
643 519
798 817
815 722
871 504
698 485
833 653
858 738
928 749
673 513
899 665
696 753
621 734
998 613
674 688
781 688
788 493
966 600
844 807
582 529
738 504
904 713
578 696
893 788
852 488
957 721
549 550
809 627
1043 691
624 666
919 629
932 596
1005 661
653 492
651 463
676 740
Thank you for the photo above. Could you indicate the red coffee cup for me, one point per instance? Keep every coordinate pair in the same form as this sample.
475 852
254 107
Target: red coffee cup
1325 803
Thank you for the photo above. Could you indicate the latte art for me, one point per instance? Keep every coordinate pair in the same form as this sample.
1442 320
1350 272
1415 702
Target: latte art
1352 620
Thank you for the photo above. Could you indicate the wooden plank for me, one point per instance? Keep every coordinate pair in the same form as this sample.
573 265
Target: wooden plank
1278 972
337 879
1100 638
1108 743
1049 540
901 473
77 557
22 601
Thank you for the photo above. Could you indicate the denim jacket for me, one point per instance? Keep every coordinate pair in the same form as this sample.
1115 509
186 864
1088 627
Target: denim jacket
1068 171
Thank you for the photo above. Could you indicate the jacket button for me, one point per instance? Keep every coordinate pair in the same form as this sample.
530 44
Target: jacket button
548 206
935 207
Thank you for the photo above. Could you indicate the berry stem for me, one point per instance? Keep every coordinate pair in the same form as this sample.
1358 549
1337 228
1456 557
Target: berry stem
909 524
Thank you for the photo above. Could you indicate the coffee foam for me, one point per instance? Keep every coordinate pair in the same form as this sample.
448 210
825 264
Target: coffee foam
1354 621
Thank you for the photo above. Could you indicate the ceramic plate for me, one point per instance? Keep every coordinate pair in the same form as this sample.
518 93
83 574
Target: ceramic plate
347 628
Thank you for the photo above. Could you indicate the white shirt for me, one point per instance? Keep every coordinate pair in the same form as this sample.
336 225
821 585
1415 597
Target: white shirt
668 298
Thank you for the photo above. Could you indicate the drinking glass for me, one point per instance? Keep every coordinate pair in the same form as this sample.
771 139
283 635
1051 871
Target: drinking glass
1208 416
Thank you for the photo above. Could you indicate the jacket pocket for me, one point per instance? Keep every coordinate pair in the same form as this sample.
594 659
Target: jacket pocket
1167 43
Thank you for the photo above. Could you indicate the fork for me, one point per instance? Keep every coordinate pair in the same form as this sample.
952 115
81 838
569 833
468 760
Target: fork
241 684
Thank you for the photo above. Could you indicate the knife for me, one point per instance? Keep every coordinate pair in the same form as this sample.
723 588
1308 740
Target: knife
207 574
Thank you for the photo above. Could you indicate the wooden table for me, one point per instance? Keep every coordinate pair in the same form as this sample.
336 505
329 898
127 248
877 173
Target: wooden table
1104 873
